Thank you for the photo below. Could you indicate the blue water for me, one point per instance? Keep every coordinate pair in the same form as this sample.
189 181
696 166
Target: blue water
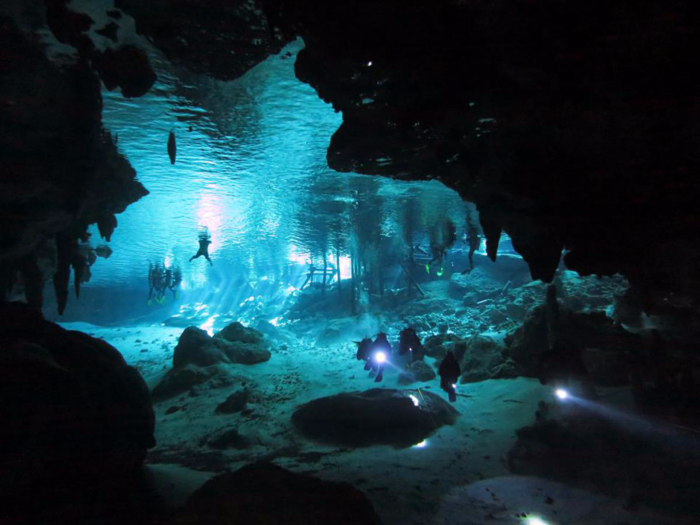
251 168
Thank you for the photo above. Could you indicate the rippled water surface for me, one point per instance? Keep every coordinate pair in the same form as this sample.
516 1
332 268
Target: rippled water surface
251 168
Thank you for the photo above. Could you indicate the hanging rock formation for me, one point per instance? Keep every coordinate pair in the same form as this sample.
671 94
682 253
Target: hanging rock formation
63 172
572 127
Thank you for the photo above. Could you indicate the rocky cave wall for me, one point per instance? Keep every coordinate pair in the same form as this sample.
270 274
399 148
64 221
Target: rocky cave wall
573 127
63 171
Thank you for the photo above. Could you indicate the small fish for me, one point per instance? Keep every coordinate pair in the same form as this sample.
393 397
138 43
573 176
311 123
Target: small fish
172 147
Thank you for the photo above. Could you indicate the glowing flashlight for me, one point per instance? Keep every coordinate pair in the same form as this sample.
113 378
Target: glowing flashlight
380 357
561 393
414 399
535 520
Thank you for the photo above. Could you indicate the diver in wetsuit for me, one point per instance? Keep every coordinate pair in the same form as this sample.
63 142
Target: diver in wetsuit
410 342
156 283
364 348
440 241
176 280
379 353
449 374
204 242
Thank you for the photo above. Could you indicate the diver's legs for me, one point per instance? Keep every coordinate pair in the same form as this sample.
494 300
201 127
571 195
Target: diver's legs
206 256
380 374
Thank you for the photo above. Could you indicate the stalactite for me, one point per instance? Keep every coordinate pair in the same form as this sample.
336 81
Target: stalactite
61 278
79 264
106 226
33 281
492 231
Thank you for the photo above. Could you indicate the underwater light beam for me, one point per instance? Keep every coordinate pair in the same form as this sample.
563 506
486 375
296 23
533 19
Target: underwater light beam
561 393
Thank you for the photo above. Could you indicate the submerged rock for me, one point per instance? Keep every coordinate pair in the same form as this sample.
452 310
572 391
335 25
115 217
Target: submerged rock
375 417
182 379
265 493
234 344
74 416
604 347
484 358
416 371
228 439
236 402
237 333
198 359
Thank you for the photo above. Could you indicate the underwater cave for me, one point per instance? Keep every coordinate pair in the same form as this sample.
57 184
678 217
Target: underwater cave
365 262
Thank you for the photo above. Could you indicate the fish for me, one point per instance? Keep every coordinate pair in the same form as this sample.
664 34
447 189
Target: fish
172 147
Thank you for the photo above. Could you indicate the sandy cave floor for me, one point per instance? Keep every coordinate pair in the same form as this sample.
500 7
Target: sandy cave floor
458 475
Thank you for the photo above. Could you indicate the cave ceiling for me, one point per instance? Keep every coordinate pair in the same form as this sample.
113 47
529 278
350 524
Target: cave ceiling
572 126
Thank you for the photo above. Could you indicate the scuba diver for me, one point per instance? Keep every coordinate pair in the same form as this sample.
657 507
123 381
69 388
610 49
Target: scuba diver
474 242
441 240
449 373
175 281
204 242
363 351
410 342
379 353
156 283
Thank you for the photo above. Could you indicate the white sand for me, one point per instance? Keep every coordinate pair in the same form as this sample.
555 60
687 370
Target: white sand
439 482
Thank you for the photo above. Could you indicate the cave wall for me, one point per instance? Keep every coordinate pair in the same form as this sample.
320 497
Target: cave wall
61 170
573 127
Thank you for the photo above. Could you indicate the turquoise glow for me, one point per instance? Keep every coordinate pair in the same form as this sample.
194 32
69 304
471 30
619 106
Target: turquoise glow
251 168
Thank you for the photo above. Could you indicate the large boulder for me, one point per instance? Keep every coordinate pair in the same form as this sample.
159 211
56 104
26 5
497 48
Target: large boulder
485 358
237 333
530 340
339 331
190 378
605 347
199 360
234 344
73 416
265 493
400 418
416 371
438 345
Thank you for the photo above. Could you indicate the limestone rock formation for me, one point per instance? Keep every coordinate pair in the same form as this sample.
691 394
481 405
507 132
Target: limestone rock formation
242 346
236 402
553 155
63 172
222 39
74 417
605 349
265 493
199 359
400 418
416 371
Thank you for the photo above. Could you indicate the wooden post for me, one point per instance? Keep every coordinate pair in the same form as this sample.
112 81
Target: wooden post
325 267
352 285
337 268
